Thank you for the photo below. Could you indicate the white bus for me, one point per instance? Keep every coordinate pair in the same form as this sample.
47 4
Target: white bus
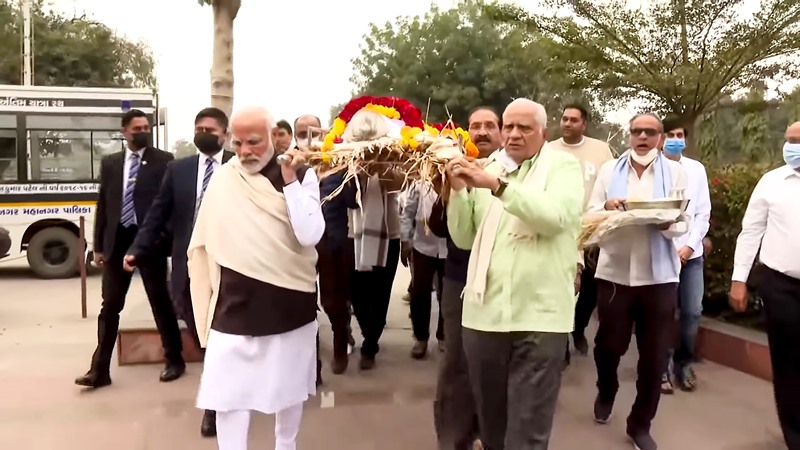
52 140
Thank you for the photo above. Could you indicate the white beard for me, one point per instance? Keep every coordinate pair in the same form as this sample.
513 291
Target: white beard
645 159
255 165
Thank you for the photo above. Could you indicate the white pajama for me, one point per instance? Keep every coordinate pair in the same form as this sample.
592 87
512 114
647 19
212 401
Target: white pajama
271 374
233 428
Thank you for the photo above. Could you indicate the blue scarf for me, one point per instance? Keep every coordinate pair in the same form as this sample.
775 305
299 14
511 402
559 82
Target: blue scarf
662 250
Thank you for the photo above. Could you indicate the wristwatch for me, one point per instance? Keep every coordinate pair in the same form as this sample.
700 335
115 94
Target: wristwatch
502 185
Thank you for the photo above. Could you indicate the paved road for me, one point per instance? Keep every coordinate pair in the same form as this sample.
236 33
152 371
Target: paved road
44 344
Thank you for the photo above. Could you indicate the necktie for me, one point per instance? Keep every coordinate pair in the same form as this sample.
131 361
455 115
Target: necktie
207 175
128 216
206 178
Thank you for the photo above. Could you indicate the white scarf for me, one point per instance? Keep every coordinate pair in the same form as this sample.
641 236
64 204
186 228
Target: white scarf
262 246
483 245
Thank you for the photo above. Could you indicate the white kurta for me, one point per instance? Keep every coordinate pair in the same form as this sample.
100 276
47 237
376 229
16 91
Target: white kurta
259 373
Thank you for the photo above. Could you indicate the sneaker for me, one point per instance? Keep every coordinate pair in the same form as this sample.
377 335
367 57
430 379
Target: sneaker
666 385
602 410
642 441
581 344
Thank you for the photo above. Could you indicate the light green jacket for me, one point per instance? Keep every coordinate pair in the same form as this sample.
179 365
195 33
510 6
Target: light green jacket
530 279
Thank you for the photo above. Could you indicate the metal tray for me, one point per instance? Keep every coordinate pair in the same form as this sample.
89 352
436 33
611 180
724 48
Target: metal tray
663 203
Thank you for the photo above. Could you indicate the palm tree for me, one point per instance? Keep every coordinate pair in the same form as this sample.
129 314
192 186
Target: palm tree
222 61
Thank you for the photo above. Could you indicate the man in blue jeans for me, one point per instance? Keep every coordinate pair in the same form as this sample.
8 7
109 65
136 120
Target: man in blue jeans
690 250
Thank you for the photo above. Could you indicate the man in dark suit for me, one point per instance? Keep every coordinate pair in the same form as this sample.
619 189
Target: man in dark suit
176 206
129 180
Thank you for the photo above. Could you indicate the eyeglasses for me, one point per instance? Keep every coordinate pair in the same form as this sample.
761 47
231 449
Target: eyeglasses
649 132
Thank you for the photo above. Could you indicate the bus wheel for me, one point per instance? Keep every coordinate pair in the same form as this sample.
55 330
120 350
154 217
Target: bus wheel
53 253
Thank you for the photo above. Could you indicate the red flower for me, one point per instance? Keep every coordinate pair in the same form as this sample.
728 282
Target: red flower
409 114
715 181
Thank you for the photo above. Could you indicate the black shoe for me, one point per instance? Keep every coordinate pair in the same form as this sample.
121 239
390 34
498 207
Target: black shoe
581 344
686 379
339 364
172 372
642 440
367 362
93 380
419 350
208 427
602 410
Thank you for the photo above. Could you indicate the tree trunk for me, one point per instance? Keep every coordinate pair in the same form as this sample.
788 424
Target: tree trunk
222 60
690 123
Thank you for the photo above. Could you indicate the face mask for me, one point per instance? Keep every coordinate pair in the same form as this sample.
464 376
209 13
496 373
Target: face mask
140 140
207 143
645 159
791 154
674 146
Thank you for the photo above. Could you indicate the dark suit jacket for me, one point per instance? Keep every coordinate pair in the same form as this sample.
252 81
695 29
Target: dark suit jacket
173 210
109 204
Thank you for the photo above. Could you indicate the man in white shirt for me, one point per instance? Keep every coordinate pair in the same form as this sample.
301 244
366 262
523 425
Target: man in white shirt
637 277
428 253
772 224
691 287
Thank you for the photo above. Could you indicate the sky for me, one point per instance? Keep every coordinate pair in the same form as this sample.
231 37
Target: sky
292 57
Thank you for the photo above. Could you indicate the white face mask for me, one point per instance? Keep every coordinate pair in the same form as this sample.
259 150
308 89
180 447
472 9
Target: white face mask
645 159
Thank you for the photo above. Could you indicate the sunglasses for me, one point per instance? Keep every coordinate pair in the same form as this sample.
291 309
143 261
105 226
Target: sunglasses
649 132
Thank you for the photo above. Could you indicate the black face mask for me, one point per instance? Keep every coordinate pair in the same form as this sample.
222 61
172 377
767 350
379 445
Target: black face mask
207 143
140 140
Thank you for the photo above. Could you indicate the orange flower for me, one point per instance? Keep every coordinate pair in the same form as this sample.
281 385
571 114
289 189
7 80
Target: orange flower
472 150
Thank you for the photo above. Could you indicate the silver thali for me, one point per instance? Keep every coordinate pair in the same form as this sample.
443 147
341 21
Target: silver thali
662 203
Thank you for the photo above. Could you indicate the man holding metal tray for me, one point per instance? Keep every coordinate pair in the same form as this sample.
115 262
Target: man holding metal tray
638 272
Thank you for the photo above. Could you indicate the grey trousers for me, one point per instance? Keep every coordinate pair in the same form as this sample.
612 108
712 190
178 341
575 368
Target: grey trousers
454 413
515 378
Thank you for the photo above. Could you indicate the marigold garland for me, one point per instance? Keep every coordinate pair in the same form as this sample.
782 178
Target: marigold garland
398 109
391 107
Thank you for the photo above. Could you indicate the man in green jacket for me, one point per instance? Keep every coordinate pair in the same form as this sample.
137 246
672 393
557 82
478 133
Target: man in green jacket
521 216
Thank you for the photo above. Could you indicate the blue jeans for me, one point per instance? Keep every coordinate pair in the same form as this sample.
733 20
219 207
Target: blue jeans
690 303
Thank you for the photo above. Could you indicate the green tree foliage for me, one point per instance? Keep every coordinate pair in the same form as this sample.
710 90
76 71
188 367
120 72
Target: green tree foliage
708 139
755 129
458 59
72 51
182 148
792 105
682 56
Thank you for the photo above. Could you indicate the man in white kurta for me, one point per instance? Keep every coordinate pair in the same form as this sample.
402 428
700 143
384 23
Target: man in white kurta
252 270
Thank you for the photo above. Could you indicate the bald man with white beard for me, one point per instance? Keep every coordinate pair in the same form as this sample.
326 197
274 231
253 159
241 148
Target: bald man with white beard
252 270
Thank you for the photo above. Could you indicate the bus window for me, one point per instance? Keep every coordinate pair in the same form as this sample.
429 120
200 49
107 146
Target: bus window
104 143
60 155
64 122
8 148
8 155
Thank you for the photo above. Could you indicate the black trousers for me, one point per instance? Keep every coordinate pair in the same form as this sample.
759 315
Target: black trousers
372 292
454 413
115 284
335 266
587 297
424 269
650 310
781 296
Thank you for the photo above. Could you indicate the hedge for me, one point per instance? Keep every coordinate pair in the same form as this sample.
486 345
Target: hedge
730 187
